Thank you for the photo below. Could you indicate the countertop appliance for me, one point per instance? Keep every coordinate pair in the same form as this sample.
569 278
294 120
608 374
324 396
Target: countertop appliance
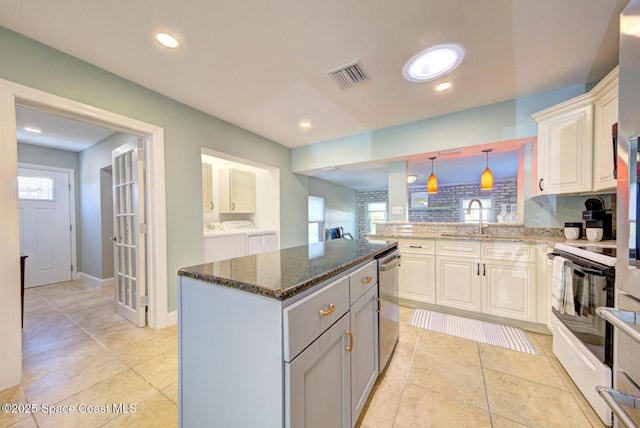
624 397
388 306
583 341
596 215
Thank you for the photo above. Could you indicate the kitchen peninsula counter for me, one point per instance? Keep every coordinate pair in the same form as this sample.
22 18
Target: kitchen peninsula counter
285 273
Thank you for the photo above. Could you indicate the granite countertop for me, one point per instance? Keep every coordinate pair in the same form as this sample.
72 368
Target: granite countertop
284 273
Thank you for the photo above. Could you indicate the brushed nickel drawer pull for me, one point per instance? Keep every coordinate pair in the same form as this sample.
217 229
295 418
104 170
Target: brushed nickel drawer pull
332 308
350 347
367 280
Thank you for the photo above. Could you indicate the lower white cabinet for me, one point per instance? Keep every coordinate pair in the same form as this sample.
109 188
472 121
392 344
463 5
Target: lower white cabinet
417 270
224 246
497 278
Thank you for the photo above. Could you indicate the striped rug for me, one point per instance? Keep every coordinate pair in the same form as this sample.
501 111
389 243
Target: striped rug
486 332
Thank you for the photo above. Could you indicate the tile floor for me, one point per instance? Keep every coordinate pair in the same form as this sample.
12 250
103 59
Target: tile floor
78 351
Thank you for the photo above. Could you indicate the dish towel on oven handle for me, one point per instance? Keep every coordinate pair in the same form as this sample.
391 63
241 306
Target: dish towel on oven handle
562 287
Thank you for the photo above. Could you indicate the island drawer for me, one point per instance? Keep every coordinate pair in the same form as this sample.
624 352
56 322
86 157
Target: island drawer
418 246
361 280
308 318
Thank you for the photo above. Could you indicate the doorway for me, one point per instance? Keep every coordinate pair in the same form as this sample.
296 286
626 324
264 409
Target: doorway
47 227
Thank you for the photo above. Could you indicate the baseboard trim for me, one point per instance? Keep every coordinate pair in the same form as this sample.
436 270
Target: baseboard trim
101 281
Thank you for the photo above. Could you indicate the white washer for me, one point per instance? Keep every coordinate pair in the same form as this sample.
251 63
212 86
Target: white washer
257 240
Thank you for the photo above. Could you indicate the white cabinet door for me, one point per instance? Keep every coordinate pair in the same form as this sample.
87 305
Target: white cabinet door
509 290
364 355
207 187
418 278
237 191
317 391
605 115
458 283
565 150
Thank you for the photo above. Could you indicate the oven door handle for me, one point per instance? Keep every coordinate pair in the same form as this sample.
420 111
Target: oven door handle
580 268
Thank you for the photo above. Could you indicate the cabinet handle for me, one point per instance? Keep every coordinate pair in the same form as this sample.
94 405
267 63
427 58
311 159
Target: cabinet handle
478 270
233 206
332 308
540 185
211 204
484 269
367 280
415 246
350 347
379 305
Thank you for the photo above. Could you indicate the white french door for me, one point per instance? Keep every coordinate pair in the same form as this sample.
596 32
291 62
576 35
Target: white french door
45 225
129 232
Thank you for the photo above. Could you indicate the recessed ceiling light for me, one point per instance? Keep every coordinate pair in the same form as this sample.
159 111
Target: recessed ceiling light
167 40
443 86
33 130
433 63
304 124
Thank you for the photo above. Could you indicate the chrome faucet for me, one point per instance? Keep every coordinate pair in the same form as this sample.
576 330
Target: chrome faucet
480 218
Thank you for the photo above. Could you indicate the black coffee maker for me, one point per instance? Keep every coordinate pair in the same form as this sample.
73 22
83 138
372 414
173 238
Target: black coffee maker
596 215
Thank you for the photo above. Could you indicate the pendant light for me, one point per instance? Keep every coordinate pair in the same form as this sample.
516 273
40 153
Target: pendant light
432 183
486 180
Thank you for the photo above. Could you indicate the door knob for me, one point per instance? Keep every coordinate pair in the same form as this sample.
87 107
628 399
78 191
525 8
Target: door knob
113 238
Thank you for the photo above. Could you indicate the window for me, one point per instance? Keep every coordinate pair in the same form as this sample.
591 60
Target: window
36 188
316 219
474 216
376 212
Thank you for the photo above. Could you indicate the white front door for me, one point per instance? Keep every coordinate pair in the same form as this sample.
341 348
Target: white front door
45 225
129 232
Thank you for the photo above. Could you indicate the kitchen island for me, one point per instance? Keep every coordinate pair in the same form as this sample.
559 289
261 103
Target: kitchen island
267 340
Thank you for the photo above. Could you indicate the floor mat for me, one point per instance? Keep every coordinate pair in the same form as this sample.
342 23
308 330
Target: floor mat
481 331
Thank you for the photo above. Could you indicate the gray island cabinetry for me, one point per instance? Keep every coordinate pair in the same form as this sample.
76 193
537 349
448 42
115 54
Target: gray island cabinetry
286 338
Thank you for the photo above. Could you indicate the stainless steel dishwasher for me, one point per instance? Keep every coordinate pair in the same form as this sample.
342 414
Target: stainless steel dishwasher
388 309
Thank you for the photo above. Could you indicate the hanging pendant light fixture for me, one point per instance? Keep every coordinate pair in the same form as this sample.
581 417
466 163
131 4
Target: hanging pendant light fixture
486 180
432 183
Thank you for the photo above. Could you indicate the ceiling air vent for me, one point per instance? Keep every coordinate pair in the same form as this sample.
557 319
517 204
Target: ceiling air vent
349 75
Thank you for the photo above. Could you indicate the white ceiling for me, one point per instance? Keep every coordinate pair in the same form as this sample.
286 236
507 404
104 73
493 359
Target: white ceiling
262 65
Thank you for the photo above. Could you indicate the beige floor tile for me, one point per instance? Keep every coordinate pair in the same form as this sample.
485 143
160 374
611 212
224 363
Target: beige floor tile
127 389
37 365
171 392
421 408
63 288
28 422
60 336
72 379
536 368
542 342
458 380
531 403
400 361
381 409
90 302
501 422
162 370
134 353
446 347
157 411
13 396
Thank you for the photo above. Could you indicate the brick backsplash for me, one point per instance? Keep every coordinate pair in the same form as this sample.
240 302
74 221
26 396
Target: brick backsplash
443 206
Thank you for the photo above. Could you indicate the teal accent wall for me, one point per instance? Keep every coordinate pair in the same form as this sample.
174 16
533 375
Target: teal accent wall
186 130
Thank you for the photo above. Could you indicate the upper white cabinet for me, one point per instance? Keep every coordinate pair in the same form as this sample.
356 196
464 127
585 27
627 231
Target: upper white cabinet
207 187
237 191
605 110
575 150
